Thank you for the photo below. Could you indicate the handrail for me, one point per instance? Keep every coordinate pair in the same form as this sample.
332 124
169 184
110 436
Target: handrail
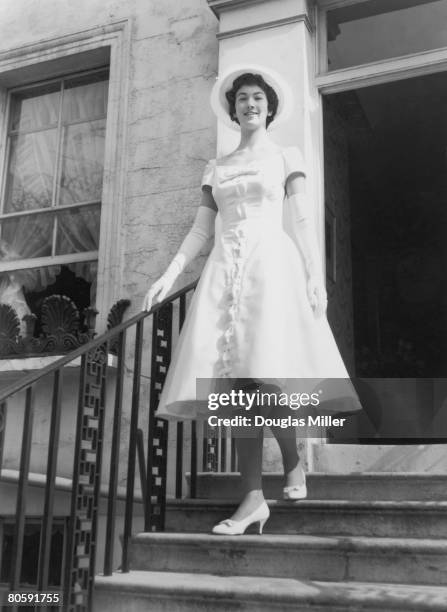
29 379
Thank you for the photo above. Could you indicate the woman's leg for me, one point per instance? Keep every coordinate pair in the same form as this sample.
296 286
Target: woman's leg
286 439
249 443
249 453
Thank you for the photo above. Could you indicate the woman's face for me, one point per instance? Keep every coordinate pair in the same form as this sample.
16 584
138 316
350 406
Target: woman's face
251 107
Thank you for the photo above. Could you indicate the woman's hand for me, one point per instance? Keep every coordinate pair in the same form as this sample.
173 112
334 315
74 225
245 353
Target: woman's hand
316 292
202 229
158 291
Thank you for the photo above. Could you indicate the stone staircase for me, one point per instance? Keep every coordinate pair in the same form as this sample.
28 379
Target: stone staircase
366 542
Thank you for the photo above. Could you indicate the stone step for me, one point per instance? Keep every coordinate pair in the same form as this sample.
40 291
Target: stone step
303 557
322 517
366 486
339 458
140 591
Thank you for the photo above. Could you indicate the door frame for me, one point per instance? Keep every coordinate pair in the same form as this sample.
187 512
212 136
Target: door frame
375 73
365 75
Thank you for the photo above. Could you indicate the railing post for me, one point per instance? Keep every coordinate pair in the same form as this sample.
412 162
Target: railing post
233 455
180 427
132 444
3 411
53 447
81 547
154 519
179 461
193 480
114 454
17 550
142 465
223 449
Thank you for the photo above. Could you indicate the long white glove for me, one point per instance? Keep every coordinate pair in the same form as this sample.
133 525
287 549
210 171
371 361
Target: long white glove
200 232
307 242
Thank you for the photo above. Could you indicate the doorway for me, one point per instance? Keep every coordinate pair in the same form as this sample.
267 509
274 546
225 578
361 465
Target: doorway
386 226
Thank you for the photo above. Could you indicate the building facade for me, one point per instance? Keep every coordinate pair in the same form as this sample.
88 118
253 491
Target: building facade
105 128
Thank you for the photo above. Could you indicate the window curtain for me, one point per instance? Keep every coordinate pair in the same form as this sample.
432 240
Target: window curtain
32 165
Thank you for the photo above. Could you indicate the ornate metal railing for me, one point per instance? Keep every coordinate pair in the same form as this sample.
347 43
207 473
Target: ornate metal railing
95 403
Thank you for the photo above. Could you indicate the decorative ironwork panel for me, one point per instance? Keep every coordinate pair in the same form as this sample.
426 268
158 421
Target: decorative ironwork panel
158 428
86 481
211 448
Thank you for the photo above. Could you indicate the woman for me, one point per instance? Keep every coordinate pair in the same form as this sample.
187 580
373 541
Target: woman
258 313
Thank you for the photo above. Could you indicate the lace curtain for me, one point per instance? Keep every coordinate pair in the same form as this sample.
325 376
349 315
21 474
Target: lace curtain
39 149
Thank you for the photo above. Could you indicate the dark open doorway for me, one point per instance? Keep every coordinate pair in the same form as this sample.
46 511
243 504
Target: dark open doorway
386 226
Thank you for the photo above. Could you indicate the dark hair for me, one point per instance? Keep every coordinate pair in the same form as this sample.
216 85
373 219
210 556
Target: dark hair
248 78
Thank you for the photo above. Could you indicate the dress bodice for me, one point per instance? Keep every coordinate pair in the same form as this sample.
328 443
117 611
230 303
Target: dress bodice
254 191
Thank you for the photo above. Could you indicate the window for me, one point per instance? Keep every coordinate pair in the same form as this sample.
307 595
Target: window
381 29
50 210
31 544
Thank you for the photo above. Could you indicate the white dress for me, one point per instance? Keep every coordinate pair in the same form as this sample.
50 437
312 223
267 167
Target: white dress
250 316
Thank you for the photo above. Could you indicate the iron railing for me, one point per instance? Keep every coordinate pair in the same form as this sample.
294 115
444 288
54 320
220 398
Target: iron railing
93 407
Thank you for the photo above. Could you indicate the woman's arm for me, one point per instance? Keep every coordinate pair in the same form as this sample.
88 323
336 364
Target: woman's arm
200 232
306 238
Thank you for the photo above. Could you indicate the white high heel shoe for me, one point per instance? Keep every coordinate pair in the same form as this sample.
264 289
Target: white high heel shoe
296 491
230 527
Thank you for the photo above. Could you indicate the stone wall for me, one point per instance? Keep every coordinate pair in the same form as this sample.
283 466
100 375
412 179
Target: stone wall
170 128
169 134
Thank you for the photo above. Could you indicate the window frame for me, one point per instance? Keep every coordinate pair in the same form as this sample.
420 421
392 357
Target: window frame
371 71
61 521
364 75
51 260
54 58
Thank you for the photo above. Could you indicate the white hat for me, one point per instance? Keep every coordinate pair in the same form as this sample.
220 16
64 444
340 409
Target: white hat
224 83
